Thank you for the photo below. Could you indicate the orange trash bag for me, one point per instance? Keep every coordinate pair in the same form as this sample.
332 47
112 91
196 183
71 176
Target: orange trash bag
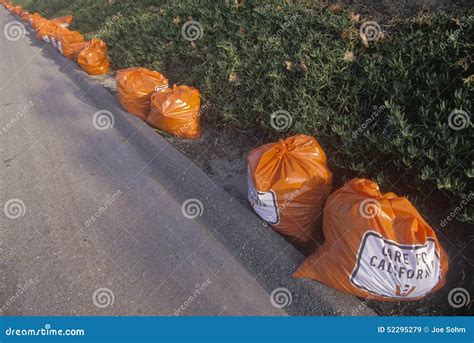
24 15
29 18
36 20
93 58
288 182
62 21
134 89
44 31
176 111
71 43
376 246
56 31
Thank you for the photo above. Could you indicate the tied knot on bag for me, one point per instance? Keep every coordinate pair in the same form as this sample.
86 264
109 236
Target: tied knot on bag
283 147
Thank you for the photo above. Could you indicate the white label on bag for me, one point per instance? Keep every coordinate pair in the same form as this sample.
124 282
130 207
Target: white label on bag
263 203
394 270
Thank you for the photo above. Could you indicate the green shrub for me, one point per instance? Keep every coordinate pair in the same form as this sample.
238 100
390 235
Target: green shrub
23 2
382 115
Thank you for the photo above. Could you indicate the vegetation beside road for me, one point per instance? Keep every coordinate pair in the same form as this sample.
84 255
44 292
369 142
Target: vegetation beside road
380 108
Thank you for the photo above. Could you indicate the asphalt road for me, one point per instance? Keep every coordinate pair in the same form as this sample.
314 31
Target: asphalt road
139 255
